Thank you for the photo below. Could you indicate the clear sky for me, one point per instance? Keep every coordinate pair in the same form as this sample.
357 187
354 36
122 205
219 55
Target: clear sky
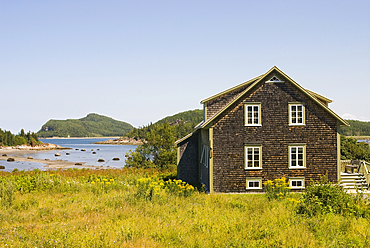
139 61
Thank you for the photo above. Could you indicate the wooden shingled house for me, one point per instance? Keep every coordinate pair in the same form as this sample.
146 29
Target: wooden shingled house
262 129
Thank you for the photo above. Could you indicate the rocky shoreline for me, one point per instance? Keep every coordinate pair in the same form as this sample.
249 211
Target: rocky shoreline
121 141
43 146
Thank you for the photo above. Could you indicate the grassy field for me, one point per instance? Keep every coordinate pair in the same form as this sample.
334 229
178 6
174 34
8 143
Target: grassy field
123 208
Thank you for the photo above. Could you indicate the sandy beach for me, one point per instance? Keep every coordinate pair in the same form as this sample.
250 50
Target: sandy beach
20 155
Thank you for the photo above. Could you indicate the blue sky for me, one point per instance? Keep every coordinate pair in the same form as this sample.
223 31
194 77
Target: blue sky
139 61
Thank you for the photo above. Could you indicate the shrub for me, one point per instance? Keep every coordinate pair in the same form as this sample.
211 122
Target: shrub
7 193
276 189
324 197
149 188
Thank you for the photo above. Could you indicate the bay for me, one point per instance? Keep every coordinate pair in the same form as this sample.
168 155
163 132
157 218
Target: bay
105 152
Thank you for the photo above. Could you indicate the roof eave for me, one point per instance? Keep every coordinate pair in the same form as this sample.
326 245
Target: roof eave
231 89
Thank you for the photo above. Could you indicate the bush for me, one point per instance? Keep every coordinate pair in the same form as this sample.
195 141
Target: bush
150 188
325 197
7 193
276 189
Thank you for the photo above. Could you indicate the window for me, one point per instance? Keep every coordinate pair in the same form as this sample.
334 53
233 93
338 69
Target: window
297 156
274 79
253 157
253 114
296 183
254 183
296 114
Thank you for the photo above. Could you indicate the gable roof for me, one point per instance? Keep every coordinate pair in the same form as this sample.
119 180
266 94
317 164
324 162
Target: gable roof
314 96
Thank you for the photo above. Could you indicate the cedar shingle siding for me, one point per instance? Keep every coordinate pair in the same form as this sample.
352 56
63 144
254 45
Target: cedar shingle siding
187 168
230 135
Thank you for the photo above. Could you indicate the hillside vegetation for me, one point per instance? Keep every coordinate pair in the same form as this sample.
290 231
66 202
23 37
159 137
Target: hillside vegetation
93 125
181 124
357 128
159 149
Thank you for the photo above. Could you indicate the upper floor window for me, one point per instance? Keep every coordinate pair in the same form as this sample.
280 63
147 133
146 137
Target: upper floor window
252 114
297 156
253 157
296 114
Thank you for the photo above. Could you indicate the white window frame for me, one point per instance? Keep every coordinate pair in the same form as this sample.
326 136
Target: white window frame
296 179
291 112
253 180
293 149
246 112
253 149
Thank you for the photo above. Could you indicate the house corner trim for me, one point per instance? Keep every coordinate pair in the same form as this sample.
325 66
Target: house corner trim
211 161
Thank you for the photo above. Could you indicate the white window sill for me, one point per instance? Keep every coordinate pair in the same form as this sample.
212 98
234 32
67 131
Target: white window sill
253 168
297 125
297 167
252 188
253 125
297 187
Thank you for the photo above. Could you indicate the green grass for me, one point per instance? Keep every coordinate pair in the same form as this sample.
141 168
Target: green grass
76 214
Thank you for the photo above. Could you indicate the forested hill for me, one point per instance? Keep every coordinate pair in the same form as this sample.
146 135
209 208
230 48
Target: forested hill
93 125
181 124
357 128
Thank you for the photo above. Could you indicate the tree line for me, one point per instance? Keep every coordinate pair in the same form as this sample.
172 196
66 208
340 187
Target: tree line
181 124
22 138
356 128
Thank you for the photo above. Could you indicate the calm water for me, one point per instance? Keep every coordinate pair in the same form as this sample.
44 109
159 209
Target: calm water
106 152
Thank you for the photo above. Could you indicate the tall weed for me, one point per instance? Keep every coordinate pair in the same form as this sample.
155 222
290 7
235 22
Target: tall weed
7 193
277 189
